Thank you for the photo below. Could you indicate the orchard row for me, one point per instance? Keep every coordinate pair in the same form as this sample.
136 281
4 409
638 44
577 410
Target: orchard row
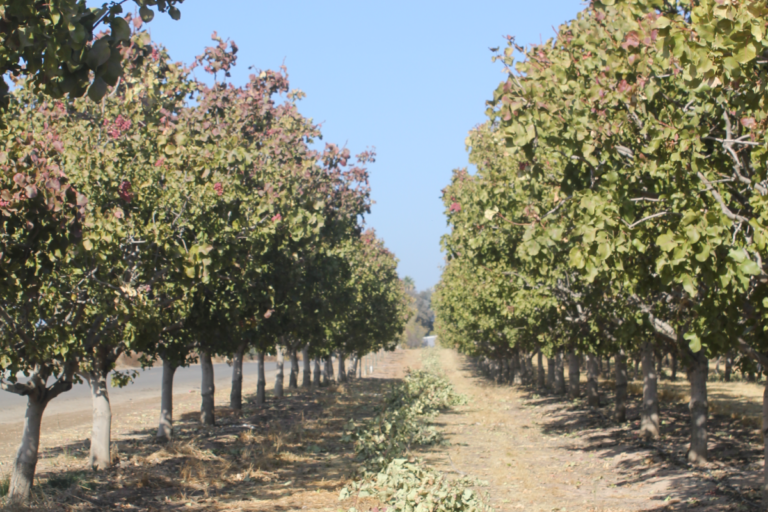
620 203
179 220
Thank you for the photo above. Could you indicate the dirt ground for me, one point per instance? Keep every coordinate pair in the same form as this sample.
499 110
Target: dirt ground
544 453
533 452
289 455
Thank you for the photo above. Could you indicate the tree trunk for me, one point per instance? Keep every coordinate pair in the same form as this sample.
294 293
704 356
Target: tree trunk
165 428
574 386
540 380
517 371
236 394
261 383
207 389
649 416
637 369
620 414
765 444
593 371
352 372
26 457
279 376
673 366
306 380
660 367
728 367
608 365
316 376
329 370
599 366
342 369
559 374
293 379
102 421
697 375
551 372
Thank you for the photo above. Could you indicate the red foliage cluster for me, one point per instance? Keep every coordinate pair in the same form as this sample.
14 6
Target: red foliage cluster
119 126
125 191
219 188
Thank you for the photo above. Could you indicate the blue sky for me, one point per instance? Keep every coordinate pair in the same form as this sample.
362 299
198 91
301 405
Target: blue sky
410 78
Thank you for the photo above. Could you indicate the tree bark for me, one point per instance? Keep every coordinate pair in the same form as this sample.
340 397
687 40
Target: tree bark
26 457
593 371
673 366
306 380
649 416
261 383
517 371
728 367
293 378
620 413
559 374
102 421
165 428
608 365
551 373
765 444
316 376
637 369
207 389
540 380
236 394
328 370
342 368
697 375
279 376
660 367
352 372
574 375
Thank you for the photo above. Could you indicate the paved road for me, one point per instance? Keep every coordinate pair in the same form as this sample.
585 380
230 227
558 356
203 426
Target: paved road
146 385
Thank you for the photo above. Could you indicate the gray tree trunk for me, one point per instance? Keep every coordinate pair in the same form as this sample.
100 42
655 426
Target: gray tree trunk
697 375
293 380
559 374
316 376
620 413
660 367
352 372
551 372
165 428
728 367
765 447
342 368
593 372
102 421
649 415
673 366
26 457
637 369
608 365
279 376
574 375
306 380
236 393
261 383
517 371
329 370
540 381
207 389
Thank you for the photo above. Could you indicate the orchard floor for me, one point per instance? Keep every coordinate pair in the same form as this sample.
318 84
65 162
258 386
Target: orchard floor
544 453
286 456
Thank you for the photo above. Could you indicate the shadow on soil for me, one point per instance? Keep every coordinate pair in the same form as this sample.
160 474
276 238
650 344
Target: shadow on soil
730 481
292 445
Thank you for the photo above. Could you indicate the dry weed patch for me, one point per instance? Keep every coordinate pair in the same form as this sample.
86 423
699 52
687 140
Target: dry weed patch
291 454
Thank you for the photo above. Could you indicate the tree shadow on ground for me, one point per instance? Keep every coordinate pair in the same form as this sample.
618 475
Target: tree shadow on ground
730 481
277 457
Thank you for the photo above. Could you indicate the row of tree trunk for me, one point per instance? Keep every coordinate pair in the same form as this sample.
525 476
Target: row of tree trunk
518 370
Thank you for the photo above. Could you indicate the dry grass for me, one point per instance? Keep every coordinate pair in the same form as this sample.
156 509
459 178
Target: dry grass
288 455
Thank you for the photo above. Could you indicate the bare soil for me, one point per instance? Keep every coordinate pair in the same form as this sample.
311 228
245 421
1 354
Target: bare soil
288 455
539 452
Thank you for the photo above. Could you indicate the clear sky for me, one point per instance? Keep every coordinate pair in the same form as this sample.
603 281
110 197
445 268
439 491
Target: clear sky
410 78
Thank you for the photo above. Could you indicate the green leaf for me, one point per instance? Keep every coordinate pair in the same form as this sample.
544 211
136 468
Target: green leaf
98 54
746 53
694 342
666 241
98 89
121 31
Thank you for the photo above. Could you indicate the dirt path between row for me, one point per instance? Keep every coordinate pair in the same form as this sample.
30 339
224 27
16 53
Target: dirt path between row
551 457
